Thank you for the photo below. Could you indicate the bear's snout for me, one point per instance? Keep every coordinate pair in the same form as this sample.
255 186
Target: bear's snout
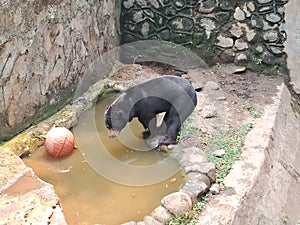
113 133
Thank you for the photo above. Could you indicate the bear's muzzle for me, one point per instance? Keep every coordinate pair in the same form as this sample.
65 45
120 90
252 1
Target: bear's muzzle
113 133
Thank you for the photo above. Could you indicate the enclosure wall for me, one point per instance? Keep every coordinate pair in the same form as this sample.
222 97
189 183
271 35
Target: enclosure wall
45 47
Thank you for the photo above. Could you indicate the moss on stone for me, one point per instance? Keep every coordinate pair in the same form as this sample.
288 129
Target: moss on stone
29 140
25 143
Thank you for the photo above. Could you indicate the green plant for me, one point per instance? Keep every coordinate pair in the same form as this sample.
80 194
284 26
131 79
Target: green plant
219 65
180 219
259 59
189 217
252 111
187 130
138 68
230 140
284 219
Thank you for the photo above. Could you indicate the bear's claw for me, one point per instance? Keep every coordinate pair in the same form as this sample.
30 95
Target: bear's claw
146 134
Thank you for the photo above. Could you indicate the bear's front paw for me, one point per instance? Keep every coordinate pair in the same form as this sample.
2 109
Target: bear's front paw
146 134
168 141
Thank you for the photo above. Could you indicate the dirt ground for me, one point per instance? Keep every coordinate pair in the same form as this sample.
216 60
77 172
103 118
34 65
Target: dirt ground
237 95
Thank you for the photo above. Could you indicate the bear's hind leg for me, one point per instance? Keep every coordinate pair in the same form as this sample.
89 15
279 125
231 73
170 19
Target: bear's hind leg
173 124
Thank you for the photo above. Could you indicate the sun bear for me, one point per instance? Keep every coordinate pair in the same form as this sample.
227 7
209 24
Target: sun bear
171 94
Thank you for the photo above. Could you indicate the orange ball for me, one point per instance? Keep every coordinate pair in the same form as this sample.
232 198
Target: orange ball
59 141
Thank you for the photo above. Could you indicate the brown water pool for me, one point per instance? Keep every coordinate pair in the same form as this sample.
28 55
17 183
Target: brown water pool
108 181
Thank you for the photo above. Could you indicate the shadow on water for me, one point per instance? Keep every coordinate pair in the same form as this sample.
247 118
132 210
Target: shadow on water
87 196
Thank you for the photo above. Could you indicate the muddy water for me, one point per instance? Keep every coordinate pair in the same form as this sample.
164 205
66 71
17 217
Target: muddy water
108 181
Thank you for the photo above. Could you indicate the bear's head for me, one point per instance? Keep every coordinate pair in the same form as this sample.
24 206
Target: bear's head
114 121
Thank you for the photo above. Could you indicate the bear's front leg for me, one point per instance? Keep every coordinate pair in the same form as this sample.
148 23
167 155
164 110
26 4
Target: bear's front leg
150 126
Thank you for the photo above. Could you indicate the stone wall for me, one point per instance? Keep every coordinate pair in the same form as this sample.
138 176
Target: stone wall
246 33
45 47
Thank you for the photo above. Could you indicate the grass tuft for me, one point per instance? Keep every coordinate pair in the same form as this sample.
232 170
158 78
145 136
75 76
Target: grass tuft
230 140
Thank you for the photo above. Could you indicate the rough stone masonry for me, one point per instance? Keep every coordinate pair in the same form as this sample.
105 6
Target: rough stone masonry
45 47
247 33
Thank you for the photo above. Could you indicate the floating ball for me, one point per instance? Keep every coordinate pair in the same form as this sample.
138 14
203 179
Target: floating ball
59 141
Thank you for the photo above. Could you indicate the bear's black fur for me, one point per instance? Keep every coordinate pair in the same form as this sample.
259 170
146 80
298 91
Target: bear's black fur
170 94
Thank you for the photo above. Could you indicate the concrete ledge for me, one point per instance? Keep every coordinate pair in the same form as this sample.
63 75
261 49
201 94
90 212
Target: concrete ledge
263 186
24 198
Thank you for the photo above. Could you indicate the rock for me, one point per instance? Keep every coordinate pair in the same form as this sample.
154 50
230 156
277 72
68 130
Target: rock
241 45
222 16
148 220
194 150
281 10
245 9
221 98
215 189
165 34
206 6
155 4
273 17
241 59
145 29
239 69
198 177
179 3
231 68
169 11
149 13
251 6
270 36
196 185
177 202
256 21
250 34
209 111
161 214
265 9
208 24
239 14
192 158
128 4
212 85
264 1
129 223
224 42
219 153
207 168
181 24
259 49
228 55
197 188
236 30
138 17
192 195
277 50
